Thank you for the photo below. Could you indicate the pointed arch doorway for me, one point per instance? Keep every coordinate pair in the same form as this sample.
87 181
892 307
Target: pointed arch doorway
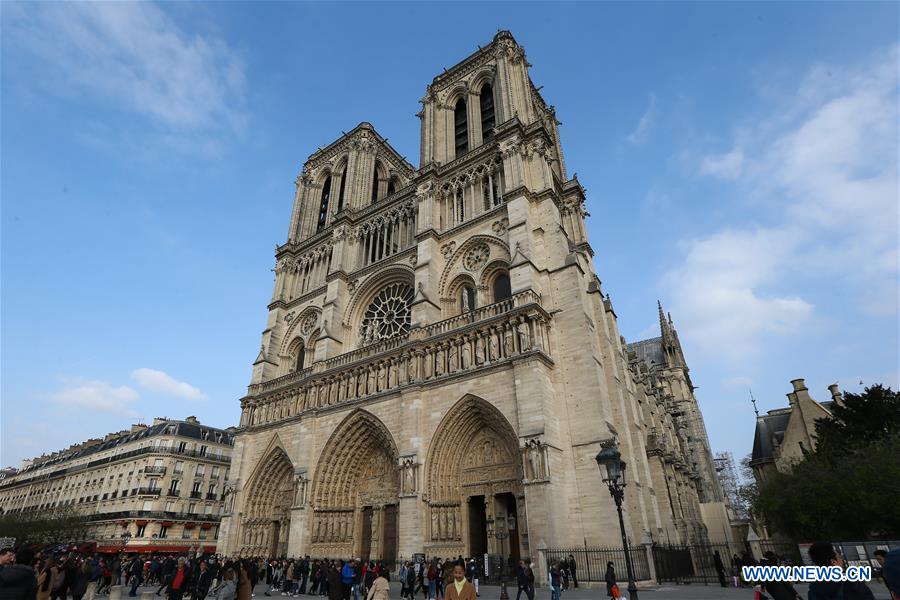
475 478
355 492
266 519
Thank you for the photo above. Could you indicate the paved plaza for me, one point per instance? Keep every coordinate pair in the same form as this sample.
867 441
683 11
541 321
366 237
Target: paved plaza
654 592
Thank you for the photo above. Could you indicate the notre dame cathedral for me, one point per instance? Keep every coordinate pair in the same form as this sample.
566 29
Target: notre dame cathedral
440 355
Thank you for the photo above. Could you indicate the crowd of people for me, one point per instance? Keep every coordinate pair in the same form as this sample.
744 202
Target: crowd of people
25 575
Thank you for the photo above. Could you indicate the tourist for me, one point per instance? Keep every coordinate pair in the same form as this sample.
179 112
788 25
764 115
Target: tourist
890 572
80 580
380 588
45 579
244 581
203 581
823 554
304 575
572 568
720 568
778 590
134 571
612 588
334 580
555 580
736 571
472 575
227 589
17 581
179 582
7 557
410 581
525 580
460 589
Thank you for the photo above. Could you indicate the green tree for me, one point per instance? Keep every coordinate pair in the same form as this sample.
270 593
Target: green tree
62 524
847 488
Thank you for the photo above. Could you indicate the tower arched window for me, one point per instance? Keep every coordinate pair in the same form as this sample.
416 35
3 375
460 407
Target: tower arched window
341 189
460 128
392 186
502 288
487 112
300 360
323 206
375 184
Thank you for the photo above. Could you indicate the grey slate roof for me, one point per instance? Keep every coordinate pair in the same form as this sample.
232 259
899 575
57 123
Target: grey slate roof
650 351
182 428
769 428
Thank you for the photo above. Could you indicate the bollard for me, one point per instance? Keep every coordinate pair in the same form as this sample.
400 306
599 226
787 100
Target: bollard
115 592
148 595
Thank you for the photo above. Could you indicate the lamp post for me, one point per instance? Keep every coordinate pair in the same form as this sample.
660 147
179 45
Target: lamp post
613 467
500 529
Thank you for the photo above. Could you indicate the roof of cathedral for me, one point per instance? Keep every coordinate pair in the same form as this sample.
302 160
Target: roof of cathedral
770 429
650 351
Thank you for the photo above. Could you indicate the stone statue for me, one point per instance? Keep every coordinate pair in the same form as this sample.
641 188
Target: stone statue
439 368
370 380
494 348
454 358
508 344
479 351
382 377
524 336
466 355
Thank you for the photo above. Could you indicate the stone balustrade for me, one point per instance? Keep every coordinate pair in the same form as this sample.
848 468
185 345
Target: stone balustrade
486 337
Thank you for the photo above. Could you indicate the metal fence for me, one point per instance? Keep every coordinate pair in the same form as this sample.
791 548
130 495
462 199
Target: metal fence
696 563
590 563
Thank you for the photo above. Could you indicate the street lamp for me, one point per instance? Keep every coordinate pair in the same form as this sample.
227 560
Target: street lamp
501 533
613 467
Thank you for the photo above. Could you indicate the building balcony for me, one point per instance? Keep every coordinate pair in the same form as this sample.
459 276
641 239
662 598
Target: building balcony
211 497
154 470
146 491
173 493
196 495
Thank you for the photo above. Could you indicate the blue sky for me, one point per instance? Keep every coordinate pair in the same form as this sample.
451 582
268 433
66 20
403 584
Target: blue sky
740 161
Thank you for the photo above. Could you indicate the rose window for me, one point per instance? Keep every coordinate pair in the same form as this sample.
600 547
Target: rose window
388 314
475 258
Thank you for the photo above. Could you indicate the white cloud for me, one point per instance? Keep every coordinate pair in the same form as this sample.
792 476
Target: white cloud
718 292
160 381
639 135
826 168
725 166
132 56
98 395
738 381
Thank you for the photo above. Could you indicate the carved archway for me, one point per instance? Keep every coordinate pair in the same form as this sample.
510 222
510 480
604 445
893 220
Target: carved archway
266 515
355 491
474 455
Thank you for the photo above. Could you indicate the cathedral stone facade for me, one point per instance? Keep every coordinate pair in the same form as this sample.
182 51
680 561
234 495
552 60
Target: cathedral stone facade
439 353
